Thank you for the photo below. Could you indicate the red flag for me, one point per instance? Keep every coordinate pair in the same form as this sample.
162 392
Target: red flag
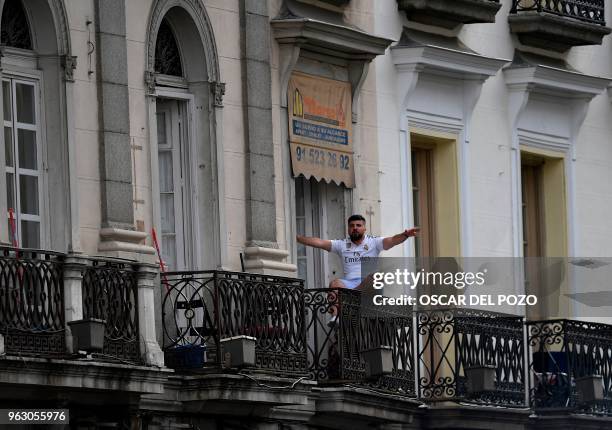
161 262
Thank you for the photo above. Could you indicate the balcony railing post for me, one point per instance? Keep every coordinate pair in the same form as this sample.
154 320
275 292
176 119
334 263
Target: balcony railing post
74 266
151 353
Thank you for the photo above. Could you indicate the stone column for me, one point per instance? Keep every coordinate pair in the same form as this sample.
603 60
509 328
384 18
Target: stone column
149 348
118 238
74 268
261 202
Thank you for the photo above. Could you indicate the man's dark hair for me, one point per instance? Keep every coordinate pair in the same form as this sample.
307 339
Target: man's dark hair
356 217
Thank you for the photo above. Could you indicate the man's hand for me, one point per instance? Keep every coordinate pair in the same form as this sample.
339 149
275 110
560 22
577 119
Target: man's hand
411 232
390 242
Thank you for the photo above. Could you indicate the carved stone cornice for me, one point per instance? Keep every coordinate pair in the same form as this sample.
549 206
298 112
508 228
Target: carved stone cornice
329 38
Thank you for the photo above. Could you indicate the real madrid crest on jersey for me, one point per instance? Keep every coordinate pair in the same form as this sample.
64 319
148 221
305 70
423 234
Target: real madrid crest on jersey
366 247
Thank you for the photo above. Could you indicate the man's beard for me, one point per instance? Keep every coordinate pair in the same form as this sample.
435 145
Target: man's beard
356 236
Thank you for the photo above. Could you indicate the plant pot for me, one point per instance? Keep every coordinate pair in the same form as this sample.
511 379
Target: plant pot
379 361
185 357
590 388
88 334
480 378
239 351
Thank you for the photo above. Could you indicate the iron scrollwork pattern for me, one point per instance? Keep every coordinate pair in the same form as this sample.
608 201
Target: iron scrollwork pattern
335 346
451 341
32 317
110 293
385 326
584 10
269 309
201 308
491 339
563 351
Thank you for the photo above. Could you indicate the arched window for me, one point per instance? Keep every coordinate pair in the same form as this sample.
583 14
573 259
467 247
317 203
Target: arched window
21 136
181 63
33 137
167 54
15 28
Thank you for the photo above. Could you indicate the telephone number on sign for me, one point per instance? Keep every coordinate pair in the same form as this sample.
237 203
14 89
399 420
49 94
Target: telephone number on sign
322 158
34 416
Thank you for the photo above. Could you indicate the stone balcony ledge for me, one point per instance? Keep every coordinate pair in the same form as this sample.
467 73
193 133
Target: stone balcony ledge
81 374
555 32
450 13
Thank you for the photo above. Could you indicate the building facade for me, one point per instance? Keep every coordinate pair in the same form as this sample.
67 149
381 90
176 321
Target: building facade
160 157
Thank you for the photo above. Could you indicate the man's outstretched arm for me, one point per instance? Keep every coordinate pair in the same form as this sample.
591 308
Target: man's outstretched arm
391 241
315 242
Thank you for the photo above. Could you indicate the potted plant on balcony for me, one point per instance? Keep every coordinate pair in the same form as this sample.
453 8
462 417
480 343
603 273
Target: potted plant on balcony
88 334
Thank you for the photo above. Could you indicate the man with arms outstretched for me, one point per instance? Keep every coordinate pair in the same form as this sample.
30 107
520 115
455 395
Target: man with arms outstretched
354 247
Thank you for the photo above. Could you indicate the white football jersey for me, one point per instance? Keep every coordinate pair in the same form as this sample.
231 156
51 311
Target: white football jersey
352 254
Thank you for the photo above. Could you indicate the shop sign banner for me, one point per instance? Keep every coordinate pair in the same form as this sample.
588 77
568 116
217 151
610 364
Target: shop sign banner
320 132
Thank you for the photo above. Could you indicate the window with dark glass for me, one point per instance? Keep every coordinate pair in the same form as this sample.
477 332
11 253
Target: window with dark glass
15 29
167 54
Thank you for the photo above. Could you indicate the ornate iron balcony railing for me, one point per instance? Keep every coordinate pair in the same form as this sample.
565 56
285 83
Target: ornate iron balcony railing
450 342
563 351
110 293
32 302
336 346
436 354
584 10
201 308
32 308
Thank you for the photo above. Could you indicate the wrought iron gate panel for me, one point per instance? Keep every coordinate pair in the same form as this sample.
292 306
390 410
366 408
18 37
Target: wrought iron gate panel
32 302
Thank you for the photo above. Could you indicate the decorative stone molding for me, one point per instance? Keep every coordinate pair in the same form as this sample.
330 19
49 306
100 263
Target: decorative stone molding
450 13
268 261
419 53
69 64
431 64
61 24
198 13
151 352
149 79
530 73
533 82
217 90
122 243
329 38
356 47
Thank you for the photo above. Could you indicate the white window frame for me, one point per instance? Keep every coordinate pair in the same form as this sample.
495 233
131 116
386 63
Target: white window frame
14 73
316 265
319 269
194 255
